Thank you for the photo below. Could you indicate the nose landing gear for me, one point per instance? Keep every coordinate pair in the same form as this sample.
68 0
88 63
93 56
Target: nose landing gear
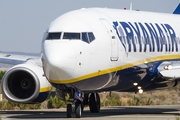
74 108
77 106
76 98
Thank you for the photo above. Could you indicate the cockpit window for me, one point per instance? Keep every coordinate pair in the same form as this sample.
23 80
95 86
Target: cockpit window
71 36
88 37
91 36
85 37
55 35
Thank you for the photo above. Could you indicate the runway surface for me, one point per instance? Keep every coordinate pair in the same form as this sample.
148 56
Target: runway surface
113 113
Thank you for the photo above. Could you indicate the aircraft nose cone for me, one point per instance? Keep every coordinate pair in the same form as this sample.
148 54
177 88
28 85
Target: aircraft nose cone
59 60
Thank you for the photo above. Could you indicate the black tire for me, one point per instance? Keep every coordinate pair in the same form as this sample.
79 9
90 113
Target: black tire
94 103
69 111
78 110
82 108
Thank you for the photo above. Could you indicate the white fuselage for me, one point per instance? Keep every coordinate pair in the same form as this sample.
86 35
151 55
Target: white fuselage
123 39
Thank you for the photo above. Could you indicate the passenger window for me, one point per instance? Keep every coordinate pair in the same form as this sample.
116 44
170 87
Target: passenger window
84 37
52 36
91 36
71 36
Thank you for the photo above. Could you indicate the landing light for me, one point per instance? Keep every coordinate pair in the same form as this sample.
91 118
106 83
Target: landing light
168 67
140 91
139 87
146 62
135 84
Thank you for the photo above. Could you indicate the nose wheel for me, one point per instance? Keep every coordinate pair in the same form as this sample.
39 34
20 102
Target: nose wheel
77 109
69 111
77 106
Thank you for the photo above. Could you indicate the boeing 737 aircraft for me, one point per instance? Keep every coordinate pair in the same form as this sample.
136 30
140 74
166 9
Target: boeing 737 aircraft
93 50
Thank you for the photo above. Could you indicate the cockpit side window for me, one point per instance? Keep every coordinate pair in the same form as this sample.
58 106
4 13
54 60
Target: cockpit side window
91 36
53 35
85 37
71 36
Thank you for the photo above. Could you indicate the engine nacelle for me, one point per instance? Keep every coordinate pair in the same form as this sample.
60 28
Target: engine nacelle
25 83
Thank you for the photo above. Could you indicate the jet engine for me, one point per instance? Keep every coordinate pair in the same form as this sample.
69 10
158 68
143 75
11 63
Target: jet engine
25 83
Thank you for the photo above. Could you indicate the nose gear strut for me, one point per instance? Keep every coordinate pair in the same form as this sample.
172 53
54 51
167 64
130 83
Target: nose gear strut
78 101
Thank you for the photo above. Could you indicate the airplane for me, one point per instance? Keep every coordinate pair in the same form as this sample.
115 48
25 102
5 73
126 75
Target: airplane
92 50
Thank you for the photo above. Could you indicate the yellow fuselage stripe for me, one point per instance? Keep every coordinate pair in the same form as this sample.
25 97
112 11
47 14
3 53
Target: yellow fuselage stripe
167 57
0 97
45 89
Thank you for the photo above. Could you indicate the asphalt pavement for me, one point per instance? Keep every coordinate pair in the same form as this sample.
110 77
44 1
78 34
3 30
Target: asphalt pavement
107 113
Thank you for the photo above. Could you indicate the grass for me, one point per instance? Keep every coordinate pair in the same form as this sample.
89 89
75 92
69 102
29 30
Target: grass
129 102
51 103
113 96
177 118
137 101
7 105
113 100
162 96
56 103
1 76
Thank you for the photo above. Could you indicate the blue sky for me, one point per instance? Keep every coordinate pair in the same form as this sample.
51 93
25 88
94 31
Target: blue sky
22 22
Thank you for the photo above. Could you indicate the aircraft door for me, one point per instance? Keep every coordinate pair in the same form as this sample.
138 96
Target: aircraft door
114 45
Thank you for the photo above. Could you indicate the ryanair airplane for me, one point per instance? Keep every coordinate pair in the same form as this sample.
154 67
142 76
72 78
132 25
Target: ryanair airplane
93 50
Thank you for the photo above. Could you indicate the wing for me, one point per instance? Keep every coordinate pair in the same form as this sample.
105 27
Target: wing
14 59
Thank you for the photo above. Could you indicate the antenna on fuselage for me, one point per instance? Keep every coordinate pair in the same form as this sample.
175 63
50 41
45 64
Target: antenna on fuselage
131 6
